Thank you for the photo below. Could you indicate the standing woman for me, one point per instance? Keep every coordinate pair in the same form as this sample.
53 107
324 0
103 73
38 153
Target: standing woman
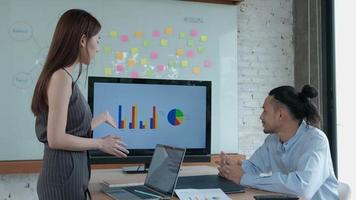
63 117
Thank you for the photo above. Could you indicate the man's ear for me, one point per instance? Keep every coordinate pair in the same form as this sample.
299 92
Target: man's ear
83 41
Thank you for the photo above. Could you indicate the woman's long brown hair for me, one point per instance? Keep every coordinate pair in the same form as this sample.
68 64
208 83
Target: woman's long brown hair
64 51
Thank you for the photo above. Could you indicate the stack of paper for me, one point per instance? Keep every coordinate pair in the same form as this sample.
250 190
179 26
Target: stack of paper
201 194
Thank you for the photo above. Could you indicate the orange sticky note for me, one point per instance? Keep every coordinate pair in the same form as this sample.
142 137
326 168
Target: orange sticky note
119 55
131 62
180 52
196 70
168 30
138 34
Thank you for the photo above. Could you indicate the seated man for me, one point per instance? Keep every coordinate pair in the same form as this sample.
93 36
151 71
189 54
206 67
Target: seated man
295 157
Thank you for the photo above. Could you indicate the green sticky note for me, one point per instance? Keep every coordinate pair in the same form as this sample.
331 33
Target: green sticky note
182 35
172 64
190 42
107 49
144 61
107 71
200 49
146 43
134 50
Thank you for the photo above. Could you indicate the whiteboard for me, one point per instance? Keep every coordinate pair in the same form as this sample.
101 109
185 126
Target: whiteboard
164 39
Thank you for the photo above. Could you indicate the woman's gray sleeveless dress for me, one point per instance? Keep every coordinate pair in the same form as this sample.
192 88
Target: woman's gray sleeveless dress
65 174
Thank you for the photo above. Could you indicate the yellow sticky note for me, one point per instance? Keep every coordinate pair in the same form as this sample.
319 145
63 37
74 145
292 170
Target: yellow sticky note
164 42
131 62
168 30
190 42
119 55
180 52
144 61
184 63
113 34
134 50
138 34
182 35
196 70
204 38
107 71
107 49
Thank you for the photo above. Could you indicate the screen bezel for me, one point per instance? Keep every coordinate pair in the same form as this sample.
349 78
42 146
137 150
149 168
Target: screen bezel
145 155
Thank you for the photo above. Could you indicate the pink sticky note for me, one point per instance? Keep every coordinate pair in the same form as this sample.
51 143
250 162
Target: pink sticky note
190 53
161 68
134 74
120 68
208 63
156 33
154 55
124 38
194 32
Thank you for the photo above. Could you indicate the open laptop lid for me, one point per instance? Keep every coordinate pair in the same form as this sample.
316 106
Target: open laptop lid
164 168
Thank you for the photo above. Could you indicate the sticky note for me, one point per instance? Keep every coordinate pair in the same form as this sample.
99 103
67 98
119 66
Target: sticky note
168 30
190 53
149 73
134 74
190 42
154 55
144 61
194 32
131 62
107 71
196 70
138 34
160 68
208 63
164 42
184 63
182 35
124 38
107 49
119 55
156 33
172 64
146 43
203 38
113 34
200 49
180 52
134 50
120 68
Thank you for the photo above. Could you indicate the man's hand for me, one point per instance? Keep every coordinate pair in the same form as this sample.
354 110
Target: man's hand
229 168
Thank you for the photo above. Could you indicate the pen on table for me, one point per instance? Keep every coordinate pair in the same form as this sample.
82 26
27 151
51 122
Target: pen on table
146 193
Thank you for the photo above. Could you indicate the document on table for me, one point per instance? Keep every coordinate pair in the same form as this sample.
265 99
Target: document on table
201 194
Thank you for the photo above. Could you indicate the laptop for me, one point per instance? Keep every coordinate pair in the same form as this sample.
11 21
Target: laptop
161 178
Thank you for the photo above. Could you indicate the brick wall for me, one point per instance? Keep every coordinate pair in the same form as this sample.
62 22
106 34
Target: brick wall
265 61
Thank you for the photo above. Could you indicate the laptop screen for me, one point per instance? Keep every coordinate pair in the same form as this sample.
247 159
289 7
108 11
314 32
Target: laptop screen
164 168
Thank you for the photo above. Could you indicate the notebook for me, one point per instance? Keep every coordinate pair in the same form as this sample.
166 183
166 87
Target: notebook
161 178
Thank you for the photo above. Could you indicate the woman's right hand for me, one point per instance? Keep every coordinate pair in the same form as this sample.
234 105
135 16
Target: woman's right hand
113 145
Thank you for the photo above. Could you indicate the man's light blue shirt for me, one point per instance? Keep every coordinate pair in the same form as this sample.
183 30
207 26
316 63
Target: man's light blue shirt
301 166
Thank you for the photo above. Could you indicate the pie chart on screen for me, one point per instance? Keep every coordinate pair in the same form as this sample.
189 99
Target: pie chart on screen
175 117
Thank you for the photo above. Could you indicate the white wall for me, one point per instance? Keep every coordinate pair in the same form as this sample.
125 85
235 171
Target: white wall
265 60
